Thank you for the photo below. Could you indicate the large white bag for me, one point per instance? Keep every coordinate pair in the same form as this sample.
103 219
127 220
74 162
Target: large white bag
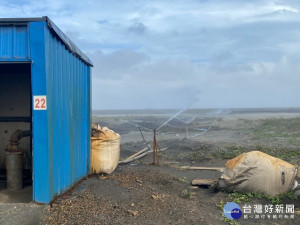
105 153
258 172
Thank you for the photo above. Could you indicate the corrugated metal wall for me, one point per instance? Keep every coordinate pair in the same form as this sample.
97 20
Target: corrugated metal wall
68 90
61 135
13 42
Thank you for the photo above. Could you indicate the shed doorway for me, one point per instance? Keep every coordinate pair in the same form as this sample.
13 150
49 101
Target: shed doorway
16 114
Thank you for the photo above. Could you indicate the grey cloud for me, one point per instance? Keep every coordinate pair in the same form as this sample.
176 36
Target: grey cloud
222 58
167 70
115 64
146 83
102 21
137 28
228 61
164 53
253 42
143 95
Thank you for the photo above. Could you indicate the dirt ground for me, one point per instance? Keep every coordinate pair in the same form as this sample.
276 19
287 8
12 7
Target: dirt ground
141 193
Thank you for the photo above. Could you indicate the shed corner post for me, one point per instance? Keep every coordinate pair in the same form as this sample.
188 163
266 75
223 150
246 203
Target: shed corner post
89 160
40 151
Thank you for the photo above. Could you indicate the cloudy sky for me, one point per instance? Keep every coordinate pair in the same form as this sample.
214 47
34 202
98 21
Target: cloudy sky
182 53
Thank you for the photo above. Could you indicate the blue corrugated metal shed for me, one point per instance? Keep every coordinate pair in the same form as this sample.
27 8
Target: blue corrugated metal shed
61 73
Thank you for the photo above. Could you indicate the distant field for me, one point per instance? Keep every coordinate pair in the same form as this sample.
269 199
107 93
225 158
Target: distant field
194 111
226 132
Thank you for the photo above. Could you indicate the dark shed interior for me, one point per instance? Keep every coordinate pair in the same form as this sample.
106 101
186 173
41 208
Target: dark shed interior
15 114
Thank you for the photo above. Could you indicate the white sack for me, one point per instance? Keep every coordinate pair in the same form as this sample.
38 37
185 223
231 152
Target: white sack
105 152
258 172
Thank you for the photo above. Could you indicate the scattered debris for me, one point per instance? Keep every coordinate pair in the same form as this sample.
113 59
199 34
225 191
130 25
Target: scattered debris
203 182
133 213
102 177
138 153
185 193
139 181
154 197
220 169
194 187
141 154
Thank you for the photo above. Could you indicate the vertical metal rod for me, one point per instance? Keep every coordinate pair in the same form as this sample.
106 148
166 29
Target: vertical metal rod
155 153
154 147
187 132
142 134
157 162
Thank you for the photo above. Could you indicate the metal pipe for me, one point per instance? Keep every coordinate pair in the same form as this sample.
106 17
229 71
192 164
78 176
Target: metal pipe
14 170
142 135
15 138
14 161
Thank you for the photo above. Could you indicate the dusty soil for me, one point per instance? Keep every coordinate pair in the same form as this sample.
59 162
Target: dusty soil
140 193
135 195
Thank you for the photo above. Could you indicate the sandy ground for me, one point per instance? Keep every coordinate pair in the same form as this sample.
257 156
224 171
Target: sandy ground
141 193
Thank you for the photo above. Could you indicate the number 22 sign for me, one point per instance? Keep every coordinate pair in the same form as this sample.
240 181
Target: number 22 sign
40 102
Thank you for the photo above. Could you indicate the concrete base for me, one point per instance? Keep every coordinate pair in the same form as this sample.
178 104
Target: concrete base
16 207
20 196
21 213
